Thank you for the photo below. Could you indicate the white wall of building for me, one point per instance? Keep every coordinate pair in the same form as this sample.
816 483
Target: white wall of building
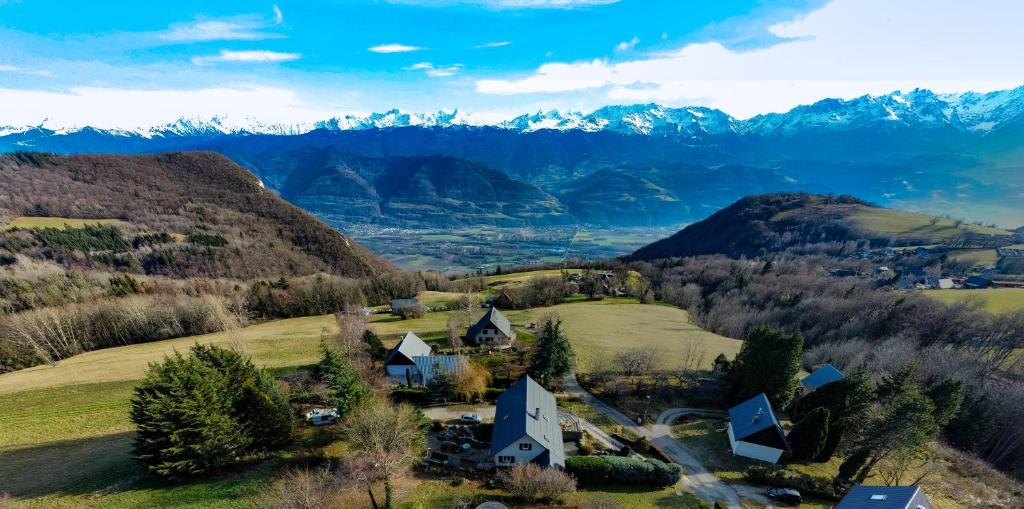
517 454
753 451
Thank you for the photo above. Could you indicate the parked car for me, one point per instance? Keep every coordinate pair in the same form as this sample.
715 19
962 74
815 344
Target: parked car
785 495
471 418
322 416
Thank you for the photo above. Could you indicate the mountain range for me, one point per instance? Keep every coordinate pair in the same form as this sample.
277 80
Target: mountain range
957 154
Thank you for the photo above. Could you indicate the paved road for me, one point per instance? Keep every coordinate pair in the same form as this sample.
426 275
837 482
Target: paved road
696 479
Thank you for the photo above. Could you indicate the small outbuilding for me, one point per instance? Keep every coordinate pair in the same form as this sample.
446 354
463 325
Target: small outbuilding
399 305
754 431
821 376
884 497
976 282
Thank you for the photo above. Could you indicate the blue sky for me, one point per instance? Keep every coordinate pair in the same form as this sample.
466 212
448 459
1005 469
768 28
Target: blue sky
128 64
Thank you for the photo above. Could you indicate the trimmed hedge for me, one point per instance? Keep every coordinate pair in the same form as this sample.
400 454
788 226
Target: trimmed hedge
618 470
775 476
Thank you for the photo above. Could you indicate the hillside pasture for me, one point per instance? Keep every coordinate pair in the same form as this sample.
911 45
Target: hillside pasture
994 300
29 222
984 257
912 225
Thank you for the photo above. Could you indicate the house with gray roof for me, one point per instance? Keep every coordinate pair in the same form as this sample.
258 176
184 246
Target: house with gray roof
493 329
755 432
884 497
400 363
430 366
821 376
526 427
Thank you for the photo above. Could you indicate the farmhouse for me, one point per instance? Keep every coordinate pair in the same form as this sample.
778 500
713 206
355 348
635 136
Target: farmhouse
884 497
400 363
430 366
526 427
493 329
821 376
755 432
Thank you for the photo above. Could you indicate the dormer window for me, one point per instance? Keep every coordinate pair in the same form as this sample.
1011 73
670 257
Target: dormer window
525 447
878 497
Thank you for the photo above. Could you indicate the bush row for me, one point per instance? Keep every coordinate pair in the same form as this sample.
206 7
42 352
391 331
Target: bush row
595 470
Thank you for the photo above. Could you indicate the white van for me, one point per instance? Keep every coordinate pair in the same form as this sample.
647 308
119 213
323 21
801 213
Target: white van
322 416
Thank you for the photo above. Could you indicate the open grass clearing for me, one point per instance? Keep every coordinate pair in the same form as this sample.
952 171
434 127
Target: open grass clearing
435 494
995 300
60 222
499 280
985 257
899 223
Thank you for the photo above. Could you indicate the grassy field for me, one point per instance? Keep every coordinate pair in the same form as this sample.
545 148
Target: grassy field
65 436
985 257
995 300
521 277
437 494
911 224
59 222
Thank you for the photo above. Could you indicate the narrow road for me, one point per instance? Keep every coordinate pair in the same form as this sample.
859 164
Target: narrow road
696 479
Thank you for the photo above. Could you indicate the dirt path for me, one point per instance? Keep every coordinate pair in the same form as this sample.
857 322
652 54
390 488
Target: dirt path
696 479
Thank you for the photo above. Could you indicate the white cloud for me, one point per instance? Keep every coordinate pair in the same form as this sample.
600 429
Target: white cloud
845 49
625 46
21 70
394 48
278 15
254 56
435 71
108 108
244 28
509 4
496 44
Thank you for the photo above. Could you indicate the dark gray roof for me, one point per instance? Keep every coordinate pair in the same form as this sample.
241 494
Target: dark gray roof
526 408
431 365
410 346
404 303
821 376
884 497
752 416
494 317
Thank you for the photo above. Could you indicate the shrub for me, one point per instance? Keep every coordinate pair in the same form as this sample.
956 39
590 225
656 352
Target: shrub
774 476
7 259
588 470
531 483
207 239
85 239
411 312
300 488
206 411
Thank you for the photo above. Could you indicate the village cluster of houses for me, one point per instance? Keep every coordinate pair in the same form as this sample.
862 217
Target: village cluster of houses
917 279
412 361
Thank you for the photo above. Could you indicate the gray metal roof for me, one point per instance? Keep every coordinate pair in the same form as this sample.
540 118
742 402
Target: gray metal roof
752 416
401 303
821 376
526 408
495 318
410 346
884 497
432 365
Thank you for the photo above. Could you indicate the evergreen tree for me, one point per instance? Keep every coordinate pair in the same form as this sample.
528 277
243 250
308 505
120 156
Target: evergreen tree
374 346
851 467
206 411
721 363
552 355
809 435
440 386
846 400
948 396
768 362
345 384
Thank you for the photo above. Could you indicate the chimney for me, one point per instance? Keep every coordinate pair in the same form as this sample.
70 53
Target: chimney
757 416
536 413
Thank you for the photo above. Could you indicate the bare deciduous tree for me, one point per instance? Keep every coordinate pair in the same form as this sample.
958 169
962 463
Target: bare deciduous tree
530 482
388 437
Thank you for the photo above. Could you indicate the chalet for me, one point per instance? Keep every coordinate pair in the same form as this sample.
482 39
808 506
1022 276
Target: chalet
755 432
884 497
526 427
493 329
430 366
399 304
821 376
975 282
400 363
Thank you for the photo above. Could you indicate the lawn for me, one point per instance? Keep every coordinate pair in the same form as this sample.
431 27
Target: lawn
985 257
434 494
995 300
499 280
60 222
911 224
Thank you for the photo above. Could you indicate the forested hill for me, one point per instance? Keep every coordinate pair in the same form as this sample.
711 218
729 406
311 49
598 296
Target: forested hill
175 214
756 225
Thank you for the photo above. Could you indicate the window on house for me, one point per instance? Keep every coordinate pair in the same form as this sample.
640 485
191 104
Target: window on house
506 459
525 447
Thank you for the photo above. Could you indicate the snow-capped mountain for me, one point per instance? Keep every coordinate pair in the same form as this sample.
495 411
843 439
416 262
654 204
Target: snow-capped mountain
967 112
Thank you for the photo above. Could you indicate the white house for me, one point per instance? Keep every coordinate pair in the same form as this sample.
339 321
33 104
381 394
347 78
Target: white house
493 329
526 427
400 363
755 432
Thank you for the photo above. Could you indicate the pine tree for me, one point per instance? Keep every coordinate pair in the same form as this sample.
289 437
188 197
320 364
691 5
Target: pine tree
768 362
846 400
948 396
552 355
206 411
344 382
374 346
809 435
